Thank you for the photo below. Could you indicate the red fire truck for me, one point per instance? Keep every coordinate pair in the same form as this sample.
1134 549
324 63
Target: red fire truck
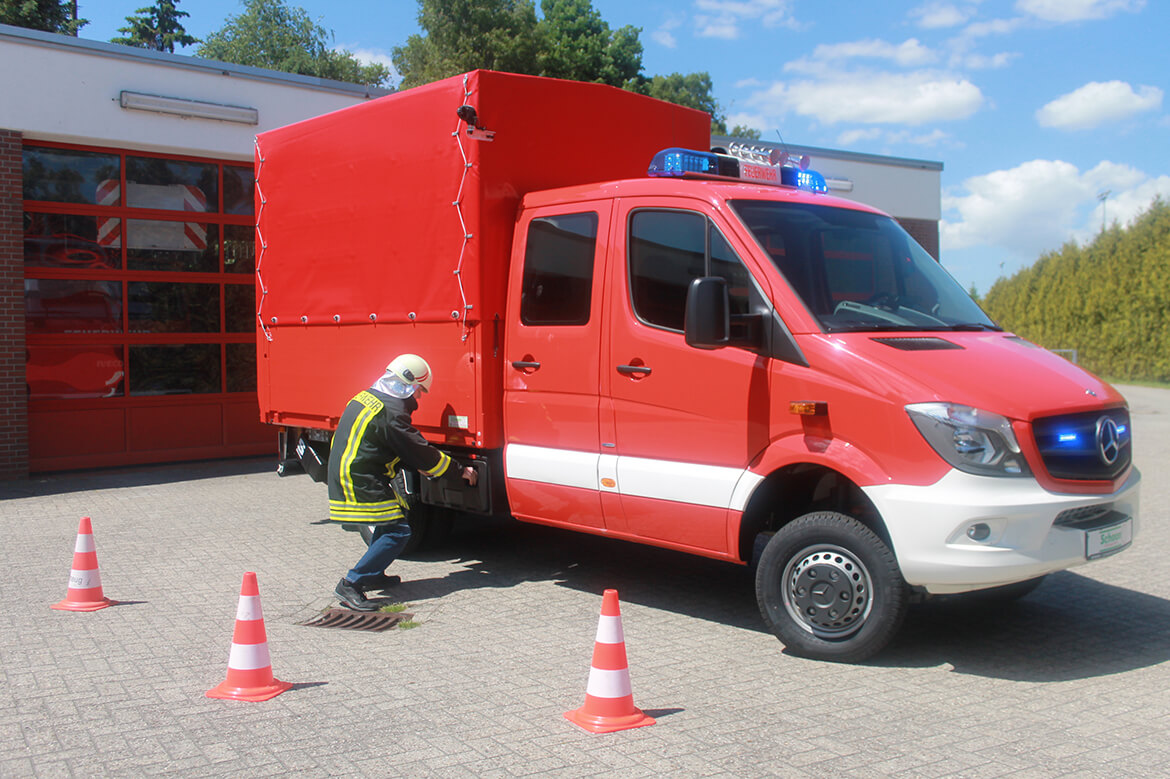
636 337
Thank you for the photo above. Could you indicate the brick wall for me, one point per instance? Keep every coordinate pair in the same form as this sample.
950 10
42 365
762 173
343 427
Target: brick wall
925 231
13 395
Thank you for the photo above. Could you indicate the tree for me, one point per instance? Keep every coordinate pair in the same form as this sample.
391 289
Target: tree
570 41
692 90
270 34
743 131
58 16
156 27
577 44
464 35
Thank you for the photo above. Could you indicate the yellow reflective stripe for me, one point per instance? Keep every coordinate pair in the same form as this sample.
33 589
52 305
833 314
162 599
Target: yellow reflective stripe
392 467
368 400
356 431
360 513
383 505
441 466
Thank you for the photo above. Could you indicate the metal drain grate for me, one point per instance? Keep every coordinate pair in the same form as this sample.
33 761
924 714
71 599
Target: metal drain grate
348 619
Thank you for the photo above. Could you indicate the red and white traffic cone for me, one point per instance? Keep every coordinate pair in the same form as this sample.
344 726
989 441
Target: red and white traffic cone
85 580
609 703
249 673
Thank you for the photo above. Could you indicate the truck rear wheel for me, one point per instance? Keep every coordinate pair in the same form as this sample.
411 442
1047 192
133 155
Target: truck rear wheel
830 589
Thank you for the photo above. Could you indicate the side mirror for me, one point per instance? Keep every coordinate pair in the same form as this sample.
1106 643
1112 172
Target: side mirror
707 322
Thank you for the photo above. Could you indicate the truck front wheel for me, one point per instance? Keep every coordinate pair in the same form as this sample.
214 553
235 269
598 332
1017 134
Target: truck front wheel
830 589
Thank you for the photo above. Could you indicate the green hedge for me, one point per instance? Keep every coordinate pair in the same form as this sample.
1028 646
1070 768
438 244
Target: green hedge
1109 300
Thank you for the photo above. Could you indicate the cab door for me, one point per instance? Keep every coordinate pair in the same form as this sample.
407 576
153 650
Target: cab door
552 364
685 422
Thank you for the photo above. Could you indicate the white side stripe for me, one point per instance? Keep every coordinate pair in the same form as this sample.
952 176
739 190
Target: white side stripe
608 684
694 483
551 466
84 543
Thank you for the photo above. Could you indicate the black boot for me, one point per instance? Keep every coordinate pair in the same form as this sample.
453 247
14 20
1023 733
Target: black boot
352 597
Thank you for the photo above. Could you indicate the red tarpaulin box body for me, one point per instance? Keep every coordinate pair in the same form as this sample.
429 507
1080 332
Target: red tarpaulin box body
359 238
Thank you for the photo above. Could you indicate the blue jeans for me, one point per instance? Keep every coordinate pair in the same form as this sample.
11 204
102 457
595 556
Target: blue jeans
386 544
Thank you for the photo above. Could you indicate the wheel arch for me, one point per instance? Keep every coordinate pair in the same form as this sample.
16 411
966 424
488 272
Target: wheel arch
797 488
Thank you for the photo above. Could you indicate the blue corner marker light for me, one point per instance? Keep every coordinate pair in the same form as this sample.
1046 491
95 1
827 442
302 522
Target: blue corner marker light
746 164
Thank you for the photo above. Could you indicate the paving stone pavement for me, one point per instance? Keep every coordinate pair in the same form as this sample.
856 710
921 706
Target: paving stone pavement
1074 680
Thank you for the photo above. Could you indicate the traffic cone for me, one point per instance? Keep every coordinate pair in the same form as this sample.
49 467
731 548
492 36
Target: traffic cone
249 673
609 704
85 580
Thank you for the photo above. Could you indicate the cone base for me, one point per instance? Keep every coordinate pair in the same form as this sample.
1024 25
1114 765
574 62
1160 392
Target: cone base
225 691
83 605
596 723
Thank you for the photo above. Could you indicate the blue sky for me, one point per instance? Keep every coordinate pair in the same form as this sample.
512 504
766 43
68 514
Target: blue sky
1036 108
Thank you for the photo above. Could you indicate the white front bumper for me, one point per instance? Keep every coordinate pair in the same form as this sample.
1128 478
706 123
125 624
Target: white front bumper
928 528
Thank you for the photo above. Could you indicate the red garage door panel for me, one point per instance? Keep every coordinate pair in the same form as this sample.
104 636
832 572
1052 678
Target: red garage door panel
53 434
175 427
242 425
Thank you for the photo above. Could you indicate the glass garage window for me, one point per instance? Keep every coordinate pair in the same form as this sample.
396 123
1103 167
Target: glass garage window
72 241
71 175
239 249
239 306
171 185
175 246
239 185
174 369
72 306
241 367
166 307
75 372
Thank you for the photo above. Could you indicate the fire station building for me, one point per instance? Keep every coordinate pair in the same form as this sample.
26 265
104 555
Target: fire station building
127 286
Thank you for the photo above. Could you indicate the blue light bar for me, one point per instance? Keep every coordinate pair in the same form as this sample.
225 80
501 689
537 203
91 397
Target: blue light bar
679 162
1067 438
808 180
676 162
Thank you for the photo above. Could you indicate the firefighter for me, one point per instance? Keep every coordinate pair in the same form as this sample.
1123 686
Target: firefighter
374 441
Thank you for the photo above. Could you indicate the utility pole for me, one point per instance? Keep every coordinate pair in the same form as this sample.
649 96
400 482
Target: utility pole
1103 196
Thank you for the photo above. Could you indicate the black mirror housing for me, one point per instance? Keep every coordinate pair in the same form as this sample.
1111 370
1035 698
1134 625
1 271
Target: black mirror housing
707 322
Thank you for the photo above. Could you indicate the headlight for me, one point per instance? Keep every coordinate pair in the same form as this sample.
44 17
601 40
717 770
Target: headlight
970 439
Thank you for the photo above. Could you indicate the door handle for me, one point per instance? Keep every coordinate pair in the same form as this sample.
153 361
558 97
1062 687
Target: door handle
630 370
522 365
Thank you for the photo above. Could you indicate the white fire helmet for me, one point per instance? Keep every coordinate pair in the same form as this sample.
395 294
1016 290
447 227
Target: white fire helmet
412 370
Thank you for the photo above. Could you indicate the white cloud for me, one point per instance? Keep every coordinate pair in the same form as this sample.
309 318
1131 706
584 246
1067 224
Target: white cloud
853 137
1041 204
874 98
744 119
1098 103
983 62
373 57
1076 10
935 15
664 35
909 53
723 18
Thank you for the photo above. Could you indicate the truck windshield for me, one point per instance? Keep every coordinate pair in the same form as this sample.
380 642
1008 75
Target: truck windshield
859 271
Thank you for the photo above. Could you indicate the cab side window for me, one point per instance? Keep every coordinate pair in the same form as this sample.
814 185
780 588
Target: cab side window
668 250
558 270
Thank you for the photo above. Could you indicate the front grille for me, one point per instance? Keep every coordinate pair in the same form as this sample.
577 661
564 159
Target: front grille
1086 446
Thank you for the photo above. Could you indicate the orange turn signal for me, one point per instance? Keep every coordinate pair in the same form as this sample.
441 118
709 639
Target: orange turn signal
808 408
